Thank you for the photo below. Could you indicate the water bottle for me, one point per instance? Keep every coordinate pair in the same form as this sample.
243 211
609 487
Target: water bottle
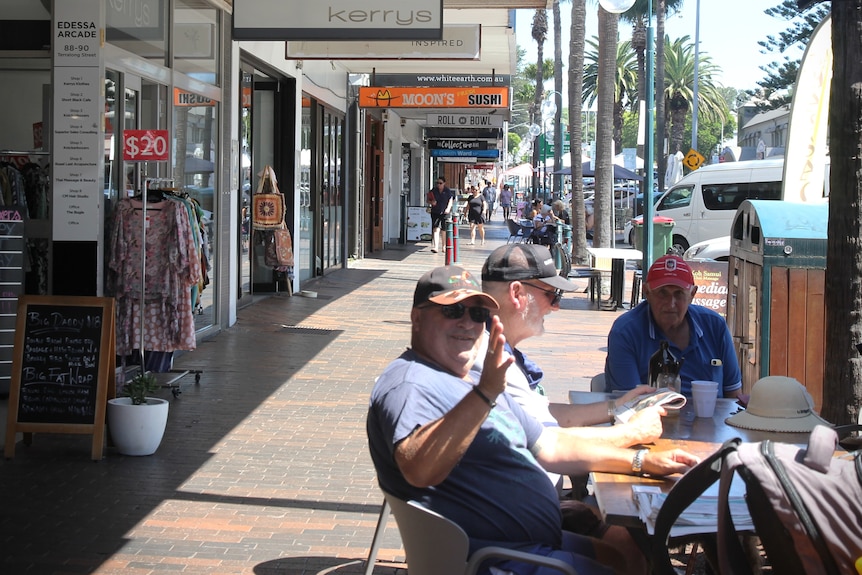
664 369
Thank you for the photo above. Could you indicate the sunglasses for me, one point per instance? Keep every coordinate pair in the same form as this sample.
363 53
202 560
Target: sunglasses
555 295
456 311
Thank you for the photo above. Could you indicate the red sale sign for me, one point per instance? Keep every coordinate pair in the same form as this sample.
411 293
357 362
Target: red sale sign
145 145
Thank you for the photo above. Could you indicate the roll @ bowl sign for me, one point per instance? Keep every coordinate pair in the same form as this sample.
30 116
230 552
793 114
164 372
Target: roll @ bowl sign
145 145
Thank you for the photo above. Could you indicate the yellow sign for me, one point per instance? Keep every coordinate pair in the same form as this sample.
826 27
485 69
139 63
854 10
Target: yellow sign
693 160
400 97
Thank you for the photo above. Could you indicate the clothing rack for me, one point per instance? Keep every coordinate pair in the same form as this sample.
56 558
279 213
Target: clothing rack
23 153
155 184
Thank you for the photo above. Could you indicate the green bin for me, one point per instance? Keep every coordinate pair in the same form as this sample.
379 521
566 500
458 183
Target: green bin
662 238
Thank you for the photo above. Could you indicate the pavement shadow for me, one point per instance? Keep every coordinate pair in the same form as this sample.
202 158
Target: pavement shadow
324 566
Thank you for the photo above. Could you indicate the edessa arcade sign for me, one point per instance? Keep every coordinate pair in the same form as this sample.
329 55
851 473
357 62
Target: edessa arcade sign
337 20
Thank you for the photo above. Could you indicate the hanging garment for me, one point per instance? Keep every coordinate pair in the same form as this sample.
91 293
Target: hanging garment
173 266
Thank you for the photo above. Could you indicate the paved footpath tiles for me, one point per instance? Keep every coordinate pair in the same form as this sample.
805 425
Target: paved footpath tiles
264 468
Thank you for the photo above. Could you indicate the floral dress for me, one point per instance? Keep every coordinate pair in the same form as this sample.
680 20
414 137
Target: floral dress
173 266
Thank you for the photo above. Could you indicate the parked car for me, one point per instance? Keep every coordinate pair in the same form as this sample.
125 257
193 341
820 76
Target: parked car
639 201
703 203
716 249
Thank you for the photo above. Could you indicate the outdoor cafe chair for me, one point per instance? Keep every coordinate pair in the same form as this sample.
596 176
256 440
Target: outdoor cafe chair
434 545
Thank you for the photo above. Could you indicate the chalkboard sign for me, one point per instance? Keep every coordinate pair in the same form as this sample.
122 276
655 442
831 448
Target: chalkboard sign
62 367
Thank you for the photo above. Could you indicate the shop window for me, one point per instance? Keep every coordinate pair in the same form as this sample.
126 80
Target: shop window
139 27
196 40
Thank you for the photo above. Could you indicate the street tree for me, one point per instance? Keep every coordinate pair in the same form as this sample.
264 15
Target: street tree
637 15
625 86
775 89
539 31
679 94
603 226
577 37
842 387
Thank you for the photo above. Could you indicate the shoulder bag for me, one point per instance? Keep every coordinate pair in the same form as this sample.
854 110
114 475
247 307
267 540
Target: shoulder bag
267 203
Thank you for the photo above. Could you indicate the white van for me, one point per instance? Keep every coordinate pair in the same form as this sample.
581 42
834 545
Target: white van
703 203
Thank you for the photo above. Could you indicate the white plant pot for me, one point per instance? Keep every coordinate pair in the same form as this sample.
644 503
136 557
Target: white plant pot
137 429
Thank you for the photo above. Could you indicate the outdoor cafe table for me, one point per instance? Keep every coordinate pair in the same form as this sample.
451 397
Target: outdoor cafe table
697 435
618 257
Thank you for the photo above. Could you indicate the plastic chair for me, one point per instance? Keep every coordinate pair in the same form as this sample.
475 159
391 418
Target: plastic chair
527 229
637 280
603 267
597 383
516 232
375 541
435 545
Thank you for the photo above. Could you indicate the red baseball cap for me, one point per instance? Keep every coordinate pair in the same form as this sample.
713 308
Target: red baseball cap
670 270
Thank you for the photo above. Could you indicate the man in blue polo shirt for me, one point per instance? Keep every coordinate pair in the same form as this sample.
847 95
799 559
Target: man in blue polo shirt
696 335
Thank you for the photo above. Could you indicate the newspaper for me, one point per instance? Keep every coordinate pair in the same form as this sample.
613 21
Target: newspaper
701 516
663 396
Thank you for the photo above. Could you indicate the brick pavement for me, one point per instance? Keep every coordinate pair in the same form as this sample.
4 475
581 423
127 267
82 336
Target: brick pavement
264 467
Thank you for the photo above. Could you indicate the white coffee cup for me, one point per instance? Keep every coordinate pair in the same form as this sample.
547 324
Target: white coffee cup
704 394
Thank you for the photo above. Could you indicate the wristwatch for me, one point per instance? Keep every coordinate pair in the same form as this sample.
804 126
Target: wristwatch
638 461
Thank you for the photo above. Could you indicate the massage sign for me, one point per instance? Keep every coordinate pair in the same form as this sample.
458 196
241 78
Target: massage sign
711 281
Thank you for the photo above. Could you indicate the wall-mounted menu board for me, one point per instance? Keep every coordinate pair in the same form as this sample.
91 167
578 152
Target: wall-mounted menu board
63 367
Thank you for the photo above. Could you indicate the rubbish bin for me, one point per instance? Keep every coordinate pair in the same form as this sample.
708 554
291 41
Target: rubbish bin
776 307
662 238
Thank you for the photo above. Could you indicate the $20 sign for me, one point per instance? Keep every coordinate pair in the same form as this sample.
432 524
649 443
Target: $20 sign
145 145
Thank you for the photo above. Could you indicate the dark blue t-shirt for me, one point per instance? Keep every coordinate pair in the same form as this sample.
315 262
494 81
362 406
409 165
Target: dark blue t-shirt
442 198
497 493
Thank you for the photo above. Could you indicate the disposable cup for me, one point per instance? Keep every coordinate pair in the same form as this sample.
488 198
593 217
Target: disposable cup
704 394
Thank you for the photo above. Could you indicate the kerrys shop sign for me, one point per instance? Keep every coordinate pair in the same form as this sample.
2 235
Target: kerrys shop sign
337 20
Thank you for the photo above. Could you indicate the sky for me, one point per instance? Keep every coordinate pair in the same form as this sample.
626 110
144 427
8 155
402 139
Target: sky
729 32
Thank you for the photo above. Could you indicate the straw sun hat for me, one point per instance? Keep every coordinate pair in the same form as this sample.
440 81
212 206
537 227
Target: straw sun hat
778 403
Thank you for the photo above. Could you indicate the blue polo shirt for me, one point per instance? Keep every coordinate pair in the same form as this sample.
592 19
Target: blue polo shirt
635 337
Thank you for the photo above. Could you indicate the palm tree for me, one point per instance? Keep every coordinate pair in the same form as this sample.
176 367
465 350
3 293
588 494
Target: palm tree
539 33
637 14
625 88
679 95
603 201
577 35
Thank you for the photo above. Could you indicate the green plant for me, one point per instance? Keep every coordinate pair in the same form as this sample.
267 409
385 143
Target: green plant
139 387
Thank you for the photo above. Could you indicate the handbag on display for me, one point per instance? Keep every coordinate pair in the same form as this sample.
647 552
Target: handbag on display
283 247
278 249
267 202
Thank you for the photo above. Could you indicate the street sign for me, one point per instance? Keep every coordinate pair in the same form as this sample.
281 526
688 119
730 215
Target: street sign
464 121
422 97
465 153
546 145
693 160
439 144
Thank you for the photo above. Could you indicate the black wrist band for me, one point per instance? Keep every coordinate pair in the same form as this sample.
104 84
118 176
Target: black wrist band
491 404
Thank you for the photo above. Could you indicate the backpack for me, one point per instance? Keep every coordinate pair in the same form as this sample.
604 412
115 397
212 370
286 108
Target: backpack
806 505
